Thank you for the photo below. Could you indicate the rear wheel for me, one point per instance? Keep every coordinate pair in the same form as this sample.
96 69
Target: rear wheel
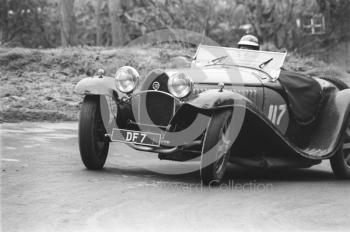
340 162
93 144
215 153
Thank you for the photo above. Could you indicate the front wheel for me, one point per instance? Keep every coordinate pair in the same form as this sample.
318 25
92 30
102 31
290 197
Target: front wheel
93 144
340 162
215 153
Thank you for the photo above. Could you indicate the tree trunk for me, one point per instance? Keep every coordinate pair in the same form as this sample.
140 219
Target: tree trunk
98 23
115 11
68 35
258 20
4 21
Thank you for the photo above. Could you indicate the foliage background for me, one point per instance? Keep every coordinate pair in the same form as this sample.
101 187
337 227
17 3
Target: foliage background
37 23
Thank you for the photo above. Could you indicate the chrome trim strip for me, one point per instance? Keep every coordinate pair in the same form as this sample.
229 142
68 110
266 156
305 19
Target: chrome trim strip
174 106
138 108
153 91
144 124
153 149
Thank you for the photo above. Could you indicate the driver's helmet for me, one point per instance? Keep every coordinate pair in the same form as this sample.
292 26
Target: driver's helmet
249 42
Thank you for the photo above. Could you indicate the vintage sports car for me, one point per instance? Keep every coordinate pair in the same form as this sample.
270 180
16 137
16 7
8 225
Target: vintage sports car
232 105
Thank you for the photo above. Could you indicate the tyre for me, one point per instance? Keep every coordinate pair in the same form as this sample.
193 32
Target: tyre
93 144
215 154
340 162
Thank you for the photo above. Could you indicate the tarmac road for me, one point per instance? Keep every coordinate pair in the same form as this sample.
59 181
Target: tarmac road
46 188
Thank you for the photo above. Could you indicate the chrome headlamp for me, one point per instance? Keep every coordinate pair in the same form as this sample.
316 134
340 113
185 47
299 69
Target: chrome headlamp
180 85
127 79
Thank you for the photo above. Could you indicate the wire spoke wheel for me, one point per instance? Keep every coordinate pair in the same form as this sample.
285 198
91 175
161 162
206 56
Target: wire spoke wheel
340 162
215 150
346 148
222 149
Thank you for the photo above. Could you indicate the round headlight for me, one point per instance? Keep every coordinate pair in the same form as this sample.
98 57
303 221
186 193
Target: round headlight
127 79
180 85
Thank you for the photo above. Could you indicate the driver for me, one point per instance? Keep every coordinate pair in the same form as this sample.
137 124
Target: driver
304 93
249 42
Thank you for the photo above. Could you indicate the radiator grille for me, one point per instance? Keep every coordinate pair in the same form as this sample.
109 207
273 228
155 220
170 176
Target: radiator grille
160 108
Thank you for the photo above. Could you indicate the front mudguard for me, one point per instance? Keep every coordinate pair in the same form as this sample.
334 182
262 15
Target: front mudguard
109 97
208 102
200 109
96 86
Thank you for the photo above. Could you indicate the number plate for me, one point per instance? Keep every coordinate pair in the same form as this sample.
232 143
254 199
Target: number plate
136 137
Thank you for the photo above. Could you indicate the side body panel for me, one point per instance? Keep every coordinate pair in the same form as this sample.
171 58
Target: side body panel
276 110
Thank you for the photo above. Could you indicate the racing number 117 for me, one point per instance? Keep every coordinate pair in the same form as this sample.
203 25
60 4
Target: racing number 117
276 113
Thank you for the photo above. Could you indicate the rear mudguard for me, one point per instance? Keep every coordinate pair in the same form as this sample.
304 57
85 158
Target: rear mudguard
96 86
332 123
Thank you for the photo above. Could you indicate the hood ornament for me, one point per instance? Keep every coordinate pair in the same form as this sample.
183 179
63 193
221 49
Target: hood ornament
221 86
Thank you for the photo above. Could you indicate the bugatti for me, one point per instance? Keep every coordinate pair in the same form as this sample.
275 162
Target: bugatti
231 106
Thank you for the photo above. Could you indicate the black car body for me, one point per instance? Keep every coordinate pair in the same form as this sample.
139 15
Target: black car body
232 105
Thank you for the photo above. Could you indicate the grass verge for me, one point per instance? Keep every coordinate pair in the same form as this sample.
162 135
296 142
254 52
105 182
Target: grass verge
38 85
